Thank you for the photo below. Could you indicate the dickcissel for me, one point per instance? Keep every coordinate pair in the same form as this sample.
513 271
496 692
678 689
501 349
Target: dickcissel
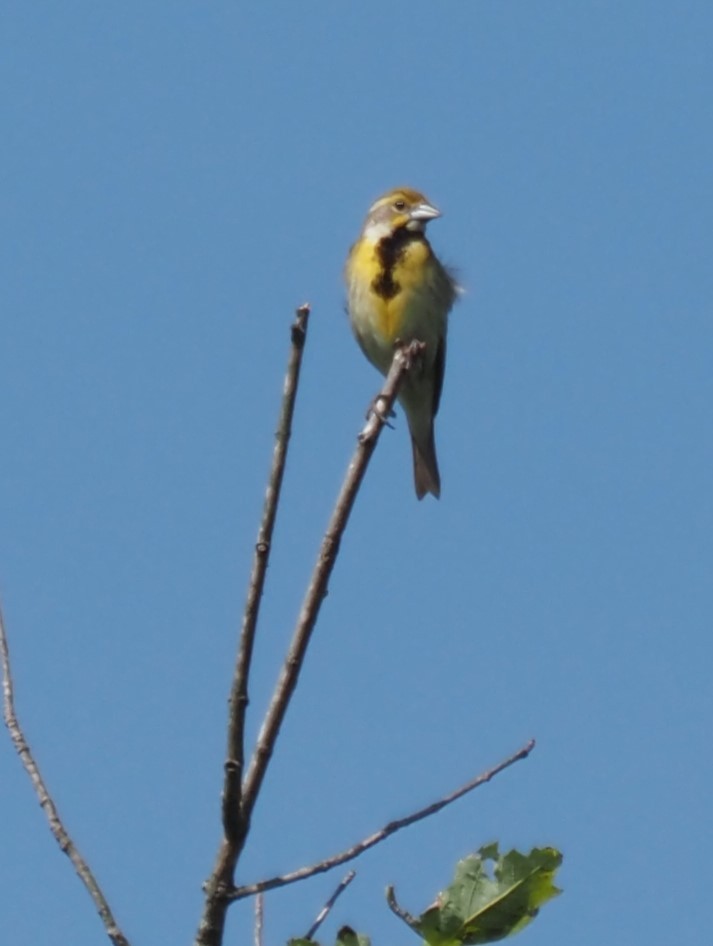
397 292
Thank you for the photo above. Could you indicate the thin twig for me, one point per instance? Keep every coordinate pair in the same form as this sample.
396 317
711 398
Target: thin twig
391 828
402 361
259 917
46 802
396 908
235 823
235 755
324 912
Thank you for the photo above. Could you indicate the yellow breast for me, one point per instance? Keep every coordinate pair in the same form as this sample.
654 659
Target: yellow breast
383 298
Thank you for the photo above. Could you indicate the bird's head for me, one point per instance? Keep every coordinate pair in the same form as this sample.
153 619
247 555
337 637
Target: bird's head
400 209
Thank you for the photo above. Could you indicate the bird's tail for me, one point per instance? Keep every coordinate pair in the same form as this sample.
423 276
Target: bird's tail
426 477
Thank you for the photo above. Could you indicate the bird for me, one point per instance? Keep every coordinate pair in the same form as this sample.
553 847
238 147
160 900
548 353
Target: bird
398 291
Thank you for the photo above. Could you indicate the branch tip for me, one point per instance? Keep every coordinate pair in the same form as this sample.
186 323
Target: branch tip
324 912
396 908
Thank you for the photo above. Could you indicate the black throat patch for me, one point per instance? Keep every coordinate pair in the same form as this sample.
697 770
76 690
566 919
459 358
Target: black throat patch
390 250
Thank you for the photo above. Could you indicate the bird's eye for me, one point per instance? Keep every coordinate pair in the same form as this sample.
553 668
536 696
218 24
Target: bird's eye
399 205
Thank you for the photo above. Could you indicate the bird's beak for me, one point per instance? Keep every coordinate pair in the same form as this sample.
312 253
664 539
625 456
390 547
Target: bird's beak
424 212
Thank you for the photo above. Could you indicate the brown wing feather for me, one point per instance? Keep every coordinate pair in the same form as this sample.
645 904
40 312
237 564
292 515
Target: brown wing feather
439 369
446 294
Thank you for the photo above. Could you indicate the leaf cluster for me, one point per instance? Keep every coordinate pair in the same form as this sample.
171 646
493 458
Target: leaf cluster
492 896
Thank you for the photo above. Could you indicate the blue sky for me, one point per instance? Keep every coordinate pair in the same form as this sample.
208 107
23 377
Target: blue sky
177 177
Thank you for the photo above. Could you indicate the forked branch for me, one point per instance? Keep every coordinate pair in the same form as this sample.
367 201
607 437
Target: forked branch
240 796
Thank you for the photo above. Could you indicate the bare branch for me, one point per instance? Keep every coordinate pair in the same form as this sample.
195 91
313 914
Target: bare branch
324 912
403 359
235 822
391 828
46 802
219 887
235 756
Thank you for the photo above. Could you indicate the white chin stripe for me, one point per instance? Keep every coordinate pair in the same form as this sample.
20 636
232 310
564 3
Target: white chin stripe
377 231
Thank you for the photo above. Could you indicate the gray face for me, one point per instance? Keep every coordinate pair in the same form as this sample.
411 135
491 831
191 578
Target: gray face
400 209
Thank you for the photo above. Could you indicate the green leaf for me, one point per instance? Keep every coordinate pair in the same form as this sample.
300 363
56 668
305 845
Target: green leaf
488 901
347 937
